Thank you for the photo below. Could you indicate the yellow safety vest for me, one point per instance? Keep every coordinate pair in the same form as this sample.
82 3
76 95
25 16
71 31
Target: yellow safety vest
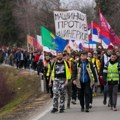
112 72
90 72
48 70
97 62
68 75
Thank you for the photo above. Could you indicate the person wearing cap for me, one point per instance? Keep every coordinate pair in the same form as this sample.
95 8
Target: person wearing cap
104 60
84 77
112 77
60 76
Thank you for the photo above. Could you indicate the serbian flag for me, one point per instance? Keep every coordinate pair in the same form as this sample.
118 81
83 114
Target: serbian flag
95 32
89 31
104 33
107 34
89 28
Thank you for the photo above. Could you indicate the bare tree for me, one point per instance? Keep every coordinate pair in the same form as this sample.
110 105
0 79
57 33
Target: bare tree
83 6
111 11
30 15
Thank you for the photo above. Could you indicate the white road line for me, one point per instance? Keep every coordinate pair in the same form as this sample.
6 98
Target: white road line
42 114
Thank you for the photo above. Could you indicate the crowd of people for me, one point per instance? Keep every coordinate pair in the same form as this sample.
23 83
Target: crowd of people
77 74
20 58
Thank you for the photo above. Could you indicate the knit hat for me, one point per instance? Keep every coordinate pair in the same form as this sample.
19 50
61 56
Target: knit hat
110 47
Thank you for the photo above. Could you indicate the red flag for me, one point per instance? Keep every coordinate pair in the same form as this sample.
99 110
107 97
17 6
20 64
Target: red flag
114 38
104 26
96 26
36 44
107 31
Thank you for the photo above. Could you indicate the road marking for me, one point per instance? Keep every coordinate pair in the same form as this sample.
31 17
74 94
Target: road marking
42 114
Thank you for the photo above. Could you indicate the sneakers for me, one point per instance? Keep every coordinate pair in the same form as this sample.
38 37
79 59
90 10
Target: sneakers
61 111
87 110
73 102
109 105
82 109
54 110
104 102
114 109
90 105
68 106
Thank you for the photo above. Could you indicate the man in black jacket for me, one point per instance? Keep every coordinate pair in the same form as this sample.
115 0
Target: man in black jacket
84 76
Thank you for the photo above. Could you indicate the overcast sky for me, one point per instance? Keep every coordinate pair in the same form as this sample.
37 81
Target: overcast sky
90 2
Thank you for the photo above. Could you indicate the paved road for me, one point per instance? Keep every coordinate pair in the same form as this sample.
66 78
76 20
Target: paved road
98 112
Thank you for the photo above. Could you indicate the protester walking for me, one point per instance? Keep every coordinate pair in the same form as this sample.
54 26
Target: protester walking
60 76
84 77
105 59
112 78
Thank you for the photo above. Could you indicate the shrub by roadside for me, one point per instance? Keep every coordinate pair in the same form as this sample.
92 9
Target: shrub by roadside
5 93
18 87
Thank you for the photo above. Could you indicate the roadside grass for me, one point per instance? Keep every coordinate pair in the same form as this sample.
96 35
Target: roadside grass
23 85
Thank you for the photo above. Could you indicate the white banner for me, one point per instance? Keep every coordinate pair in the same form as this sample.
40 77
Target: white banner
71 25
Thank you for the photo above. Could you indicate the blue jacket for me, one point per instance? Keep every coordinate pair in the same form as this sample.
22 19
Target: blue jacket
18 56
84 77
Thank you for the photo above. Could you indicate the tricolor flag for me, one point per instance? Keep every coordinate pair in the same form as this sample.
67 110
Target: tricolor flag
104 33
107 34
95 32
89 28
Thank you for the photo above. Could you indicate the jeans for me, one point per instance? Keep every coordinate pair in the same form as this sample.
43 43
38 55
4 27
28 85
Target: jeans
84 94
112 90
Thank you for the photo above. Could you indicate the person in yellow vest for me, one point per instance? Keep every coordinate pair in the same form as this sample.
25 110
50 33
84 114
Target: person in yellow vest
60 76
47 73
96 63
91 58
69 61
89 55
111 75
84 77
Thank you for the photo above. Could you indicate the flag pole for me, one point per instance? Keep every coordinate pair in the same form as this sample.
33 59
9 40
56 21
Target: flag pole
28 48
89 46
100 25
